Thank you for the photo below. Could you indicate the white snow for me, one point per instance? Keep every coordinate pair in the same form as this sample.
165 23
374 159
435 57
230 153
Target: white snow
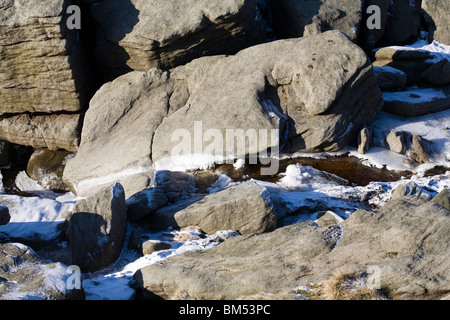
33 217
439 50
434 127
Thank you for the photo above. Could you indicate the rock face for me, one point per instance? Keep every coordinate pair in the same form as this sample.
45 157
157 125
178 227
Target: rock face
293 18
316 91
406 242
97 228
42 66
23 276
436 14
44 131
140 34
242 208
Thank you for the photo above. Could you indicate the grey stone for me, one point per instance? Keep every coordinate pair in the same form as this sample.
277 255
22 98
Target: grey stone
407 241
436 14
443 198
390 78
364 140
42 62
438 74
141 34
396 142
242 208
97 229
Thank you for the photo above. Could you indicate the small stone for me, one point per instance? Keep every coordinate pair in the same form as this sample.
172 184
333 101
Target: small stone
148 247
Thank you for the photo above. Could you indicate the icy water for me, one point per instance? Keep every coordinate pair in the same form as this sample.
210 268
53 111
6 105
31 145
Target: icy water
348 168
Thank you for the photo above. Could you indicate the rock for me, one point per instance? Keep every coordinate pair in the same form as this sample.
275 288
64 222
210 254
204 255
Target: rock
420 149
405 243
24 276
47 166
410 189
328 219
364 140
438 74
443 198
42 62
414 101
390 78
243 208
436 15
118 117
169 187
290 86
145 203
148 247
5 217
396 141
403 23
293 19
5 153
97 228
412 62
139 35
47 131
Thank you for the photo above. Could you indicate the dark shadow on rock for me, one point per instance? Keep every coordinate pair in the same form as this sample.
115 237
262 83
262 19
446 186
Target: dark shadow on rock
286 20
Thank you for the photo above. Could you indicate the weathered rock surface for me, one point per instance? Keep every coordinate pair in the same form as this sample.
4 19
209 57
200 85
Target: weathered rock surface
42 67
437 16
141 34
50 131
414 101
320 90
245 208
47 166
443 199
97 228
407 241
294 18
23 276
390 78
438 74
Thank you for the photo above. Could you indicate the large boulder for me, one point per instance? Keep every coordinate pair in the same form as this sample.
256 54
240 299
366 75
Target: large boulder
294 18
24 276
42 67
400 252
245 208
97 228
308 94
437 16
142 34
43 131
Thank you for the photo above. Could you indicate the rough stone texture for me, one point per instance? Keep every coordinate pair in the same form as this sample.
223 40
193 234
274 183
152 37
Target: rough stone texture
148 247
242 208
142 34
407 240
412 62
53 131
390 78
443 199
47 166
413 103
318 91
396 142
420 149
23 276
298 18
364 140
97 228
437 16
42 67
